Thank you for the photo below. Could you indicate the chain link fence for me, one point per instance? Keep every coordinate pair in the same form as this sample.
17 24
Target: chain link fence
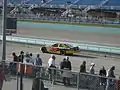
53 76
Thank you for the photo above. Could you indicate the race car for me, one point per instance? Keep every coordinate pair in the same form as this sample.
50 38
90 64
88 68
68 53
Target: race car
60 48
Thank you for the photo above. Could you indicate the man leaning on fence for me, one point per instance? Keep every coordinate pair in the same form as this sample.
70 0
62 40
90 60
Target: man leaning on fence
102 73
110 81
92 70
83 67
66 74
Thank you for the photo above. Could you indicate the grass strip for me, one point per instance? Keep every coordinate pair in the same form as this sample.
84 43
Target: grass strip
73 23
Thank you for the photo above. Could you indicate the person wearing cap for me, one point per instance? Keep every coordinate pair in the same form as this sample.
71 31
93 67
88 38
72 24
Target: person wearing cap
92 70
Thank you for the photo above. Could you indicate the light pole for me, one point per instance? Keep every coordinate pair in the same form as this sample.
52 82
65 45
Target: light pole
4 30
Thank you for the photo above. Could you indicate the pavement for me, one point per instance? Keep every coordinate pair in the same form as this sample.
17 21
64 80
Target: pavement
27 85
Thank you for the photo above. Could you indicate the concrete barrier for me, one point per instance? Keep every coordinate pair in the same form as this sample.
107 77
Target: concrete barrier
36 41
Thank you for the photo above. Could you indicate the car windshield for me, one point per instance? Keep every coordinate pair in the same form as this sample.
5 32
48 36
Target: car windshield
67 45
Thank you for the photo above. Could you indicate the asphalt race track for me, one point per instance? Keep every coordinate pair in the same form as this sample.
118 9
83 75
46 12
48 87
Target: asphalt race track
76 60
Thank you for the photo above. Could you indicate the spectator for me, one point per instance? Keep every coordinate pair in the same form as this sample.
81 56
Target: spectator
102 73
37 83
27 58
31 58
13 65
51 61
21 56
52 66
66 66
110 72
66 74
92 70
83 67
110 82
62 66
15 57
38 60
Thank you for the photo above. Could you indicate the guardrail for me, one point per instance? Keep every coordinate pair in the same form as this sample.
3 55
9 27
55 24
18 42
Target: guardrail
36 41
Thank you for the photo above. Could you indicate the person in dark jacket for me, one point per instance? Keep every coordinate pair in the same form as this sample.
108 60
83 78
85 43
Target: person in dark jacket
102 73
13 65
21 56
62 64
83 67
15 57
68 64
38 83
66 74
110 82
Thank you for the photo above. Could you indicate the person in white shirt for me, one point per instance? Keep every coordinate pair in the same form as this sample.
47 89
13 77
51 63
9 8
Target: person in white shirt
51 61
92 70
52 70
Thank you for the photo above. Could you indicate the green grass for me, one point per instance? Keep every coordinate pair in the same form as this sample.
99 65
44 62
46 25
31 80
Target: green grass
72 23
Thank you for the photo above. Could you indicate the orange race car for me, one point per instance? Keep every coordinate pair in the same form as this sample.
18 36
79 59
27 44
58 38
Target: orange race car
60 48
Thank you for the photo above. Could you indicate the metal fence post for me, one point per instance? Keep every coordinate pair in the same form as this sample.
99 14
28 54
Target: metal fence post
78 80
21 76
17 82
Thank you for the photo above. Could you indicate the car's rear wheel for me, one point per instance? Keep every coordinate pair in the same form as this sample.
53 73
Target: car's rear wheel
63 52
44 50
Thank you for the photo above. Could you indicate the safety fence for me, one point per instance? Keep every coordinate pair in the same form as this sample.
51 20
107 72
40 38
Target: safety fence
51 76
82 46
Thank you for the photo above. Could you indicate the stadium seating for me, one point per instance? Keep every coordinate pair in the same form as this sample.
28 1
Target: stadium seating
80 2
113 3
89 2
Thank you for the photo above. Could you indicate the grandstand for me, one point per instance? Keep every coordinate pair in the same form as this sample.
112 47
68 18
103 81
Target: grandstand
62 2
75 9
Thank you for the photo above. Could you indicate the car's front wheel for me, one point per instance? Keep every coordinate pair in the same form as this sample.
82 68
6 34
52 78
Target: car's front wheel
44 50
